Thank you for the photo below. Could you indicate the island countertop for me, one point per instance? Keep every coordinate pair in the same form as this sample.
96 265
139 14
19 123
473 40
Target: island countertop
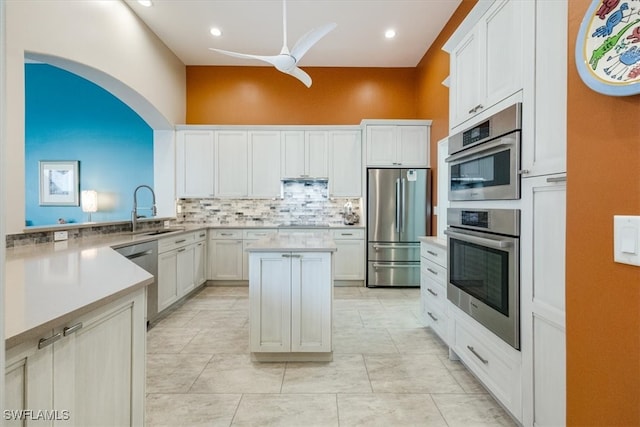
294 242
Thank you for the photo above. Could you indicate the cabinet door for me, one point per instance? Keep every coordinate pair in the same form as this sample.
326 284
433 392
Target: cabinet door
270 302
501 29
381 145
185 268
317 154
194 163
345 175
413 146
349 260
311 298
293 154
225 259
231 164
466 69
200 263
99 366
167 279
264 164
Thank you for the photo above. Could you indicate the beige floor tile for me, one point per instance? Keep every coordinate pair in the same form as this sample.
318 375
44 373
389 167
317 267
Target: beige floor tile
389 318
234 291
190 410
410 373
209 303
175 319
174 373
466 379
359 303
220 340
362 340
346 319
418 340
345 374
208 319
284 410
169 340
236 373
385 410
478 410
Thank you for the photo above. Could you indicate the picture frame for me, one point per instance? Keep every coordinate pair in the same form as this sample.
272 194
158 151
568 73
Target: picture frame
59 183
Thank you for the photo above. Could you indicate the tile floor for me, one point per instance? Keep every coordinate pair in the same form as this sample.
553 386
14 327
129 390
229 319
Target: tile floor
388 369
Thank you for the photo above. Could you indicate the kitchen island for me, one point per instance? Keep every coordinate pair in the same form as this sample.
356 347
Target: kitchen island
291 297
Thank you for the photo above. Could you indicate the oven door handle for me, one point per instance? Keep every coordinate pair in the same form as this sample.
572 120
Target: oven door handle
505 140
484 241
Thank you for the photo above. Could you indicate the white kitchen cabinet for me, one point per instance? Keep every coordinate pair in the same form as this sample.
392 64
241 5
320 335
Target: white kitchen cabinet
167 279
543 299
178 267
185 269
200 258
345 163
225 254
397 145
305 154
231 163
350 257
94 373
194 163
290 302
487 63
433 286
264 164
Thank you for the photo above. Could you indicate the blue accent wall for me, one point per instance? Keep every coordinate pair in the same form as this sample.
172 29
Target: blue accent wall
70 118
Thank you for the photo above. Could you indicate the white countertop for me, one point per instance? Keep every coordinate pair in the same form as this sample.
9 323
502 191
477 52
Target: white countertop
294 242
435 240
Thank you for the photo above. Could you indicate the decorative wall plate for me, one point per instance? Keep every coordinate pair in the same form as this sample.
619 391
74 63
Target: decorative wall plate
608 47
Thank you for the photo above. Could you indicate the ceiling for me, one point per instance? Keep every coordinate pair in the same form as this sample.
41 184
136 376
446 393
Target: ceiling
255 27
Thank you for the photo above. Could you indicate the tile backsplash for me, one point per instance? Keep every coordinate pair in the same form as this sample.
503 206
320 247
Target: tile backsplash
302 202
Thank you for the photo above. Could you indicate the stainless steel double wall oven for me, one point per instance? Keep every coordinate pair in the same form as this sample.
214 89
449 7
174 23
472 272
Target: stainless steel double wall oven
484 242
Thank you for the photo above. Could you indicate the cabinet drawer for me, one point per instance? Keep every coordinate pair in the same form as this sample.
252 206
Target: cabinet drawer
347 234
174 242
200 235
437 320
434 271
226 234
257 234
434 253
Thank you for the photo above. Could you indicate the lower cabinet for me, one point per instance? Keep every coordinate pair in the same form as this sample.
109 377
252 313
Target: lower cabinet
89 371
433 287
225 255
290 296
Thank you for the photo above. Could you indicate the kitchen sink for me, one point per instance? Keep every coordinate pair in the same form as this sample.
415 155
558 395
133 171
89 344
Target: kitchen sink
163 231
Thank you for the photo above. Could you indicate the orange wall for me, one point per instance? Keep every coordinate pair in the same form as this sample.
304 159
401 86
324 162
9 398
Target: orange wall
603 298
263 95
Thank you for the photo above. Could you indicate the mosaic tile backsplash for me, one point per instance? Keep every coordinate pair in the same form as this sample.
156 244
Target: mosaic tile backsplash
302 202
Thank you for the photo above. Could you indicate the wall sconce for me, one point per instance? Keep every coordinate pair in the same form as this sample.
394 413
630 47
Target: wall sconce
89 201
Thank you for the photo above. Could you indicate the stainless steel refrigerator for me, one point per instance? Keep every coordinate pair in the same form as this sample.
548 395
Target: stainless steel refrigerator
398 212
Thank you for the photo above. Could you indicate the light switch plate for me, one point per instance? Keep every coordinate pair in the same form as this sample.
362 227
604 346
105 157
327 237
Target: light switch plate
60 235
626 239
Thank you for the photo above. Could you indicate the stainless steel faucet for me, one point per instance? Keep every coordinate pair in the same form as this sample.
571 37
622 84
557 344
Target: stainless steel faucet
134 212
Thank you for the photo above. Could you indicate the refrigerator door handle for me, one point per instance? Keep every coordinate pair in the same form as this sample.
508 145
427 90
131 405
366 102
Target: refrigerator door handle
398 207
404 203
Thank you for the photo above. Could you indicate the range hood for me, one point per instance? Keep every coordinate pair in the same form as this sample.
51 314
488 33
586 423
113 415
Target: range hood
305 179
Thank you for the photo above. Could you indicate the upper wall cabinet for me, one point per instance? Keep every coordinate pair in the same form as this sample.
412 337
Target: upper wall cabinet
397 143
305 154
264 164
345 165
232 151
194 163
486 63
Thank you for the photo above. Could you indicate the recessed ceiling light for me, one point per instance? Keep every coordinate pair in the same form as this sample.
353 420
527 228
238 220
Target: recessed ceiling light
145 3
216 32
390 34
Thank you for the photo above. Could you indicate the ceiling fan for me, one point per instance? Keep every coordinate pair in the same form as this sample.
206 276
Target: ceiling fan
287 61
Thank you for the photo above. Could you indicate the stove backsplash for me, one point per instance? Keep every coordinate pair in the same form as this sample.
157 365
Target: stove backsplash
302 202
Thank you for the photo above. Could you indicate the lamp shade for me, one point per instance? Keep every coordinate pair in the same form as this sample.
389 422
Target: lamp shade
89 200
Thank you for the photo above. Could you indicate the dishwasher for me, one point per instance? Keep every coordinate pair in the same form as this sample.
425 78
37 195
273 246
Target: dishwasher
145 256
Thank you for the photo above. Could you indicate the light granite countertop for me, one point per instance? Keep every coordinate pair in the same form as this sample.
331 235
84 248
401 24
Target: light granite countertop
435 240
294 242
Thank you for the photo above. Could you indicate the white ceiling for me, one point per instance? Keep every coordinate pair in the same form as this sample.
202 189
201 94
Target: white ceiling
255 26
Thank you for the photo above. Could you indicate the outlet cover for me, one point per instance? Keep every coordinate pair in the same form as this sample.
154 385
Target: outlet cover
626 239
60 235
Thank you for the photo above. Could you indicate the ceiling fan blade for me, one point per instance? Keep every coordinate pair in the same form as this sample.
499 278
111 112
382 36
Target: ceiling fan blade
299 74
305 42
269 59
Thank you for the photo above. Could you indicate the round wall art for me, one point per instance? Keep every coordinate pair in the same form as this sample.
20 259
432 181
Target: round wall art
608 47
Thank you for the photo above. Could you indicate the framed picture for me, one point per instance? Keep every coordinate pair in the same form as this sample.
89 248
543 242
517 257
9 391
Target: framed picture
59 183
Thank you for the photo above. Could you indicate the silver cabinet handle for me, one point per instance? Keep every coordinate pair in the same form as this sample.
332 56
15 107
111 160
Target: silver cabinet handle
376 247
476 108
435 319
180 241
435 294
432 271
398 206
524 172
296 256
286 255
226 234
182 249
48 341
492 243
557 179
395 266
432 253
202 235
346 234
71 329
482 359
